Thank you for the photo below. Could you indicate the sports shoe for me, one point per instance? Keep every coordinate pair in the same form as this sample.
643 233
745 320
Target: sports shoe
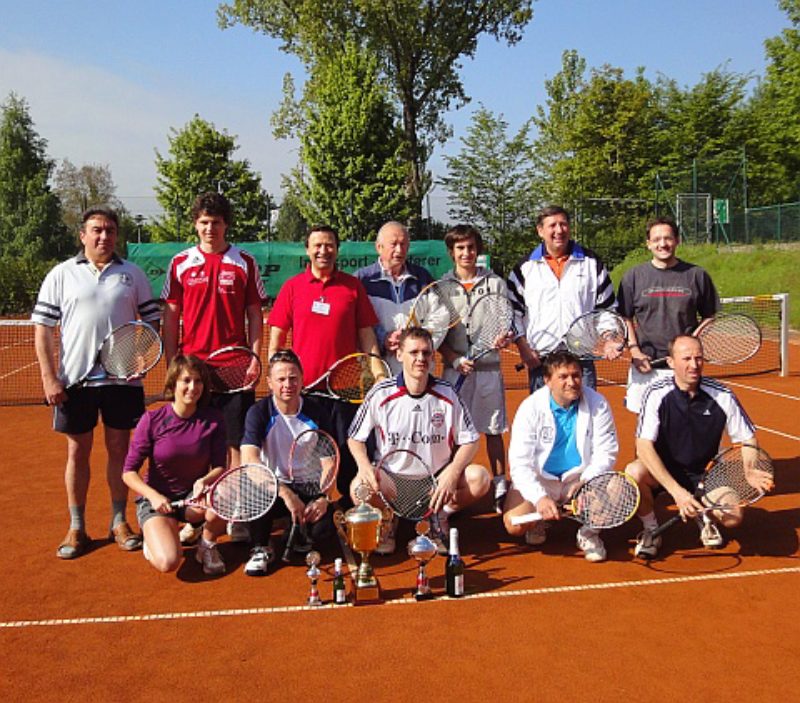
189 533
647 545
259 561
440 532
500 490
710 535
238 531
590 543
208 555
388 541
536 534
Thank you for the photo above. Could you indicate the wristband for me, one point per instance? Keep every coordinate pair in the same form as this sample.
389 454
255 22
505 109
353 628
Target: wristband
457 362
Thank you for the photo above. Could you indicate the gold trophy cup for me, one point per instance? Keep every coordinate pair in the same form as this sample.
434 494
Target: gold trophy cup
360 527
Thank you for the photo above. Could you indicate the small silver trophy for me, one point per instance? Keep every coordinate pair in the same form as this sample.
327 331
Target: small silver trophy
423 550
313 573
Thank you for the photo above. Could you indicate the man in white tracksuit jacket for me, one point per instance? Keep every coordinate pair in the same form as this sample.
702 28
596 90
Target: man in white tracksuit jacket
562 435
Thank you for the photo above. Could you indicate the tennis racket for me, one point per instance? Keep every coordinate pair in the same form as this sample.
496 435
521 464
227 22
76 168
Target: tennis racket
600 334
727 339
241 494
438 307
604 501
350 378
405 483
736 477
128 351
233 369
311 473
488 321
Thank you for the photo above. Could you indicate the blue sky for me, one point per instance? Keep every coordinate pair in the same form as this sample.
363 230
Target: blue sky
106 81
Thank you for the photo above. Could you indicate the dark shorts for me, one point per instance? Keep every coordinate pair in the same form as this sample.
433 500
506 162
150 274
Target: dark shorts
234 407
145 511
119 406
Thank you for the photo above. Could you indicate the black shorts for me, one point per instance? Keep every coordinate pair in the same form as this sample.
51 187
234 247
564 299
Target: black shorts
120 406
234 407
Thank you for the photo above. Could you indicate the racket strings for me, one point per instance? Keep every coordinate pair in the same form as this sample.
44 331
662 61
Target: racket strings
730 473
231 369
244 494
313 462
590 334
491 317
409 496
352 378
131 350
438 306
606 501
730 339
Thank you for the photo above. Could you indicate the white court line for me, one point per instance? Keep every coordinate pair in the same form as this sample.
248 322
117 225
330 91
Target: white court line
19 369
237 612
761 390
780 434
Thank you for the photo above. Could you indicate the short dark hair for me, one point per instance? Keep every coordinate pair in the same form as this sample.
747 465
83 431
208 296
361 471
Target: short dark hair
414 333
322 228
285 356
550 211
177 366
106 212
673 342
663 221
557 359
461 233
212 203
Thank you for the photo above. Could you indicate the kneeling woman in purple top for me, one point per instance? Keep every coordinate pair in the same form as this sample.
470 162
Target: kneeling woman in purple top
184 445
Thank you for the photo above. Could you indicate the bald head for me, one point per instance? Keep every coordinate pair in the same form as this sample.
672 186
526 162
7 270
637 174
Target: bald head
392 246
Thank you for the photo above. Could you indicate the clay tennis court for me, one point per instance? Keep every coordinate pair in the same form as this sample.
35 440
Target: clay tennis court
536 625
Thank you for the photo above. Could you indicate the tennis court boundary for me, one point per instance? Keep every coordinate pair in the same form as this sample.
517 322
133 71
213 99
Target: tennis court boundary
276 610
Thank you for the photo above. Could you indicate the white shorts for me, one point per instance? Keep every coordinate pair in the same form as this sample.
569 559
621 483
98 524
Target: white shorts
484 394
558 490
637 384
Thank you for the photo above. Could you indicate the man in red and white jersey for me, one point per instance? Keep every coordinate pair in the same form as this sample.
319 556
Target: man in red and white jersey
215 286
419 412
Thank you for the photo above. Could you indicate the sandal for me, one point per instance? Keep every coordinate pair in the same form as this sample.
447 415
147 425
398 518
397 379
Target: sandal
127 540
73 545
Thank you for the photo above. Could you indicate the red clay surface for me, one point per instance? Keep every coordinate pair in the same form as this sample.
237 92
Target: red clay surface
539 624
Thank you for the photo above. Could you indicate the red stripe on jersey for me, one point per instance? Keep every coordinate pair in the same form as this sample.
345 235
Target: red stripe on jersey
399 393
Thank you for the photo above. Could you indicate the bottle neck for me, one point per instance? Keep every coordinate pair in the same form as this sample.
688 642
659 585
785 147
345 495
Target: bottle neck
453 550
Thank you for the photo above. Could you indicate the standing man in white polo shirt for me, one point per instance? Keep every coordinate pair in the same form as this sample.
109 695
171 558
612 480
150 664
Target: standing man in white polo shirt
88 296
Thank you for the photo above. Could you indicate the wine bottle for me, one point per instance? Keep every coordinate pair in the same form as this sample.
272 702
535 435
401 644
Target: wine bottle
454 570
339 589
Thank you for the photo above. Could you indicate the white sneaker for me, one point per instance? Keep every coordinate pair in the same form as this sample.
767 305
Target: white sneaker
500 491
590 543
388 541
646 545
189 533
440 533
536 534
710 535
259 561
238 531
208 555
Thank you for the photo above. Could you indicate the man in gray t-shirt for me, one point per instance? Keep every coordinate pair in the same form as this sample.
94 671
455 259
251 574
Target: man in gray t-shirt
661 299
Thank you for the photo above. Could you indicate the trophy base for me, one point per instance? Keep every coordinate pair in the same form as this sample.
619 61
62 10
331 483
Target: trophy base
423 596
367 595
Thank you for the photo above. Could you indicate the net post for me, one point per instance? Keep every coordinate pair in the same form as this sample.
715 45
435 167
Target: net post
784 343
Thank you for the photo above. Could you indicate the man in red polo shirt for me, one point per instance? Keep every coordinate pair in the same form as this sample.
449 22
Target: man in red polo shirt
330 316
215 286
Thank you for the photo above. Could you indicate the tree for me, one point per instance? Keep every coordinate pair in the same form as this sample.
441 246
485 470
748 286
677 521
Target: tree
351 149
291 225
200 160
30 217
774 144
419 44
489 182
80 188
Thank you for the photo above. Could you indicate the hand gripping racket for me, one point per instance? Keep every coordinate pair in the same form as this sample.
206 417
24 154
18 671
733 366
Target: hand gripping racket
438 307
488 323
241 494
736 477
727 339
311 473
128 351
604 501
405 483
233 369
600 334
350 378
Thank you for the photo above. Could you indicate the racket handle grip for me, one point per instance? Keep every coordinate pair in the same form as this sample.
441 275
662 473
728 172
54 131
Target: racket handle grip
665 526
525 518
287 552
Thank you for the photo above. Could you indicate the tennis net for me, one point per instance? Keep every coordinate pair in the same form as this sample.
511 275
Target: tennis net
20 382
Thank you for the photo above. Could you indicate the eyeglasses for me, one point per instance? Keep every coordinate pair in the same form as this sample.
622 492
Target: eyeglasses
284 355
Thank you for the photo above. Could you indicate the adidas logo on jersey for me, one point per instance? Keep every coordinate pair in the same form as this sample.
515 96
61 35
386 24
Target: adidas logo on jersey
417 408
707 412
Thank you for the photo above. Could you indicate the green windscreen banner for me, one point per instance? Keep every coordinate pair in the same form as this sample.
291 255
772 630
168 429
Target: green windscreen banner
278 261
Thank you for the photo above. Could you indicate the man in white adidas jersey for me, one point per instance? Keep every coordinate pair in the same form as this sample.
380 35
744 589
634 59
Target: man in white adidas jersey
419 412
679 432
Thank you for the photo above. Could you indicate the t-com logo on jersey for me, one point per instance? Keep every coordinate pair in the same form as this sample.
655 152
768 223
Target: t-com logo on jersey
414 437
